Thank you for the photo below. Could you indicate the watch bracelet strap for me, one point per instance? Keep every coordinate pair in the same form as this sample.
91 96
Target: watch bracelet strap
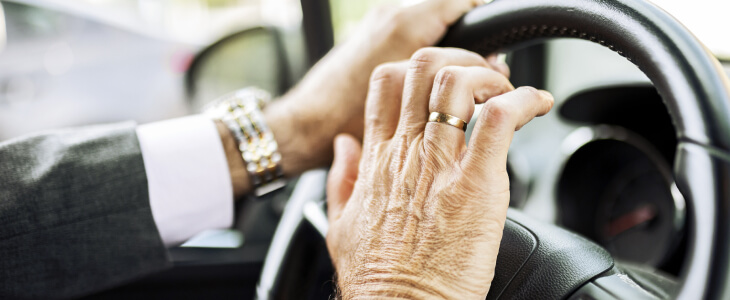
241 112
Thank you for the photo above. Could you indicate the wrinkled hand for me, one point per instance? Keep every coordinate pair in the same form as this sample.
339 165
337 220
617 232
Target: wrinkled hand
331 97
423 215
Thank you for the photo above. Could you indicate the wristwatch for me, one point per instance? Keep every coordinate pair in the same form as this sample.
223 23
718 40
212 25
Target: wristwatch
241 112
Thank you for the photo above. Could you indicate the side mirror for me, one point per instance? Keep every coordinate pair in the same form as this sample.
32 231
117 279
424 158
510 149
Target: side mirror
252 57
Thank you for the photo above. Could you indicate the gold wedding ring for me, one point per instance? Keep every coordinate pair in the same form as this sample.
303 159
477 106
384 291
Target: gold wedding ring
447 119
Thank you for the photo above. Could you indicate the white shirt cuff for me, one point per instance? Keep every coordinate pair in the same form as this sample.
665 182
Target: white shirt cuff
189 182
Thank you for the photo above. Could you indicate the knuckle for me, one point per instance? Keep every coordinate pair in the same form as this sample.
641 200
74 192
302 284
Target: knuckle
498 113
424 58
385 73
386 79
448 77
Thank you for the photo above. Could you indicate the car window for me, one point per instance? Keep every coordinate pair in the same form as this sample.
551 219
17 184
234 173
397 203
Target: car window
59 69
190 21
79 62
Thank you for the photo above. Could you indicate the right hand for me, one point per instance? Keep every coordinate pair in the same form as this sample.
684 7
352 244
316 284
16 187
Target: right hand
330 99
423 214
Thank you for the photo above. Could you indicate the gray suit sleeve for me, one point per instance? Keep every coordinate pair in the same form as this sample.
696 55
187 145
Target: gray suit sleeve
75 216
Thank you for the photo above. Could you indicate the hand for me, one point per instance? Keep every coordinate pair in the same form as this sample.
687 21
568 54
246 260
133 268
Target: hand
331 97
423 215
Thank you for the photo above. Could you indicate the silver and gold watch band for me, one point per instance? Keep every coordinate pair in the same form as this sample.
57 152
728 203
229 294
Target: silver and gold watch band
241 112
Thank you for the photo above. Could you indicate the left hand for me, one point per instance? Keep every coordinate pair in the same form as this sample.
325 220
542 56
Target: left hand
331 97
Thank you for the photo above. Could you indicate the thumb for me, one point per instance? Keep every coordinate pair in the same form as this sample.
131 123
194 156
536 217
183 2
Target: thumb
343 174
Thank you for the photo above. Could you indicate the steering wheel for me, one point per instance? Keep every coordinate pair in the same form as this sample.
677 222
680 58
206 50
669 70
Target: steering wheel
542 261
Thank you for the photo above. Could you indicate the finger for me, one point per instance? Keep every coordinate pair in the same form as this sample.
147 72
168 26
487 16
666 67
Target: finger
455 91
424 65
498 65
383 102
342 175
498 120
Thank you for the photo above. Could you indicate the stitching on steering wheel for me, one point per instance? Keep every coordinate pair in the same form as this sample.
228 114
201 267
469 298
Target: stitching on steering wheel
522 33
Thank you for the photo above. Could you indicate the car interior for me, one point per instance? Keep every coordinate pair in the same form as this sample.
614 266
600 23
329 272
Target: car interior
621 192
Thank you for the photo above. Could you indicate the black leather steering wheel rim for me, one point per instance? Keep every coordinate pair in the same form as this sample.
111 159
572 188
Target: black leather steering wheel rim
691 82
